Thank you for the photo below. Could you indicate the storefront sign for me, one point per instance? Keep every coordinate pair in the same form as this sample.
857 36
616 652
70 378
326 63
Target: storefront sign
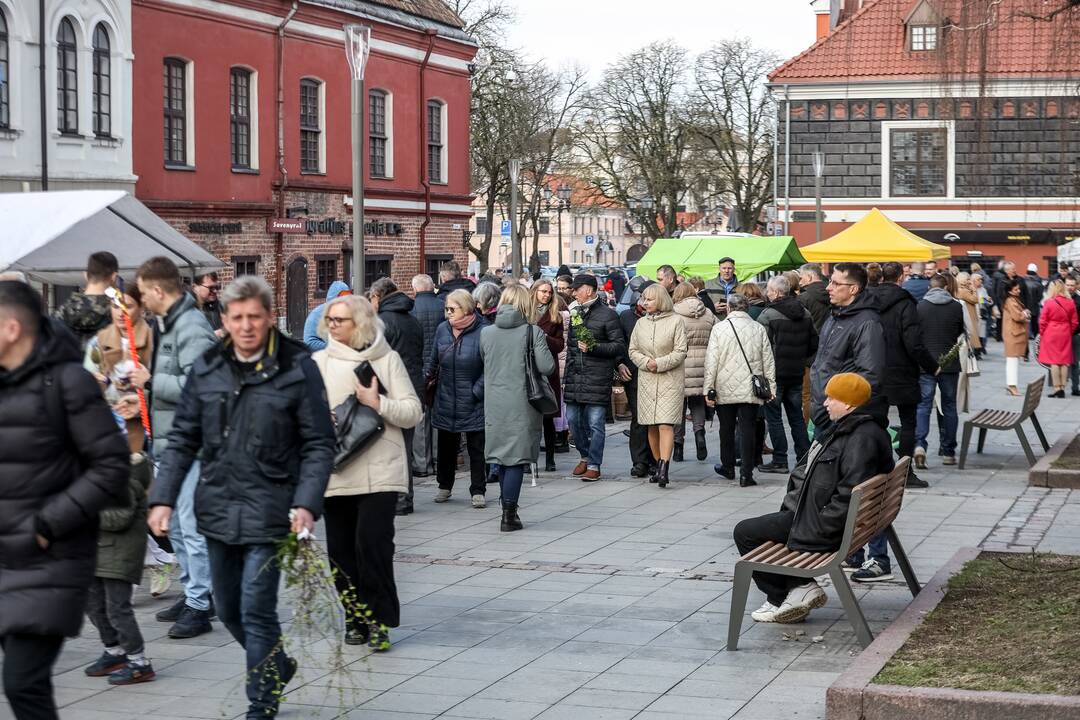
378 228
330 226
285 225
214 228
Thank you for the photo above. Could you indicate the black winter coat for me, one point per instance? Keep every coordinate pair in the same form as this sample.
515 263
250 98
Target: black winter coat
815 298
851 340
905 354
461 283
459 398
793 338
941 323
429 310
856 449
1032 294
266 438
589 375
627 321
404 335
55 477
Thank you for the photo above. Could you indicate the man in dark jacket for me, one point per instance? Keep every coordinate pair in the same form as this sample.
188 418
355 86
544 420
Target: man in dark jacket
206 296
1005 273
590 368
450 279
917 284
813 295
64 460
851 341
255 407
405 337
429 310
640 456
814 510
1034 289
794 342
941 319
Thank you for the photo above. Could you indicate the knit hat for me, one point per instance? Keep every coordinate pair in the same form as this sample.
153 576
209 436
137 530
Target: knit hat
848 388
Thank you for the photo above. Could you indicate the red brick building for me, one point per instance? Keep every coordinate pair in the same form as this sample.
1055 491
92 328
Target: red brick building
255 129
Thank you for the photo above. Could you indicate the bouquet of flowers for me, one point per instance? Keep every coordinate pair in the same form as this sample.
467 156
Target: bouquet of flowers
581 333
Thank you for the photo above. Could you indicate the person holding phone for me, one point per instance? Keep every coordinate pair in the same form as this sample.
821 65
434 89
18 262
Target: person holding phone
362 497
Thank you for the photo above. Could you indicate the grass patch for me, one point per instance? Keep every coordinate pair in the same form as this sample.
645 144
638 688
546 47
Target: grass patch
1070 459
1007 622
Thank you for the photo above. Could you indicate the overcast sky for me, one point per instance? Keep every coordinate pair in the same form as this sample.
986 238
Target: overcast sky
596 32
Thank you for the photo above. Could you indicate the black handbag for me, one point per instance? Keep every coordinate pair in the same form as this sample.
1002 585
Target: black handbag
358 426
759 383
537 387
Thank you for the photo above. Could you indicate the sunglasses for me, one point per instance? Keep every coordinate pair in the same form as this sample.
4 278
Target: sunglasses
451 310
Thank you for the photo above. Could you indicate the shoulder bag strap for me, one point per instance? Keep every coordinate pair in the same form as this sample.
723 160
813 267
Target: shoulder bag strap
745 359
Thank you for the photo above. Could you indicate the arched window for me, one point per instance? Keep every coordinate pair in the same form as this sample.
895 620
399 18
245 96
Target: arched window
240 117
67 79
102 83
5 107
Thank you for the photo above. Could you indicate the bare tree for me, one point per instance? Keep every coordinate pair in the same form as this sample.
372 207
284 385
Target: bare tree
734 120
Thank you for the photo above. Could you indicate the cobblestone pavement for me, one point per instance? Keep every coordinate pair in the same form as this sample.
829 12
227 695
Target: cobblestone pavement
611 604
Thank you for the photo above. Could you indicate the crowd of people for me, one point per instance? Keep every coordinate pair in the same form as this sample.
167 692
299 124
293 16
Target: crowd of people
202 421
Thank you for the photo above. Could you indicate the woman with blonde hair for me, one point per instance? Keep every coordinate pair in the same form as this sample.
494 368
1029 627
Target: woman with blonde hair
698 322
1057 321
512 425
1014 331
550 320
968 296
658 347
361 498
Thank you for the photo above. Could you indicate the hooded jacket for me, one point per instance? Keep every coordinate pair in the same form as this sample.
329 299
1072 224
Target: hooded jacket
311 324
698 321
815 298
941 318
404 335
905 353
121 542
851 340
62 460
85 315
794 340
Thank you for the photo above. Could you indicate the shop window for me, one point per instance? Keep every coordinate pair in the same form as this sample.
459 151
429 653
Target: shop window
325 272
375 267
245 265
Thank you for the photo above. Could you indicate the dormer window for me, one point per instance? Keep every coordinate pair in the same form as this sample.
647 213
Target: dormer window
924 37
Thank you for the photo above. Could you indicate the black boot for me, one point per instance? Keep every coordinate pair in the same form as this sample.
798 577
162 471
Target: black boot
510 519
678 454
562 441
654 471
699 440
549 461
662 473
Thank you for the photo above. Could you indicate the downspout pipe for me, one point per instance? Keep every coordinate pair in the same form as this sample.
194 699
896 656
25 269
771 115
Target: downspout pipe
44 105
776 177
283 173
424 179
787 160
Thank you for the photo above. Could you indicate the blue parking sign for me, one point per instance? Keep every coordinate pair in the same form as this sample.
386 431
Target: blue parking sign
590 239
505 228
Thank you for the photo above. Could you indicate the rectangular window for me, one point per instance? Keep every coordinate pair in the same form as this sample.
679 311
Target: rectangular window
175 112
434 141
310 127
325 271
481 226
432 263
240 118
5 109
545 226
375 267
246 265
919 162
924 37
377 133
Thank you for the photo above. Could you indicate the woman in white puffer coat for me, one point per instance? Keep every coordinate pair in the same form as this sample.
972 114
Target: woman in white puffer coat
699 323
658 348
728 373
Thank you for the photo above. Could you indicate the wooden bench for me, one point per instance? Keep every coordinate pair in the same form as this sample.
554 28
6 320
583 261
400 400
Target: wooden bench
991 419
874 505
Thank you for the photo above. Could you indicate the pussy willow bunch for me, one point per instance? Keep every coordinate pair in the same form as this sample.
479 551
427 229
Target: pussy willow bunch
950 355
582 333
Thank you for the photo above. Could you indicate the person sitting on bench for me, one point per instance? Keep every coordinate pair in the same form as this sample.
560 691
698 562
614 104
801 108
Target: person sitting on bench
814 511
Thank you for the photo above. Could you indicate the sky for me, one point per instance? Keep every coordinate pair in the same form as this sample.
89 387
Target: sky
594 33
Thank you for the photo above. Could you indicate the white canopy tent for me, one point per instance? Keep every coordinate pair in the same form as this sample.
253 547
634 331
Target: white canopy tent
49 235
1069 252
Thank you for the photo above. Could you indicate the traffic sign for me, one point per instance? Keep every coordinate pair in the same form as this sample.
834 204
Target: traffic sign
590 239
504 228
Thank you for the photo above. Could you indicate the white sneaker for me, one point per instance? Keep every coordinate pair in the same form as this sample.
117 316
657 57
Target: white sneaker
765 613
920 458
442 496
800 601
479 502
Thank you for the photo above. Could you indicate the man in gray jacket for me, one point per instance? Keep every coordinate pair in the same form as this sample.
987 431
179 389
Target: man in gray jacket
181 335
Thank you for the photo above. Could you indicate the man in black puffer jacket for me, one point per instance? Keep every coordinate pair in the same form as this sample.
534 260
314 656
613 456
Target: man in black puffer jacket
942 320
641 458
794 342
429 310
589 374
406 338
62 460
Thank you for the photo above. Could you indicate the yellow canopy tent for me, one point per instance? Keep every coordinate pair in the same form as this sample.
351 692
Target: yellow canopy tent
875 238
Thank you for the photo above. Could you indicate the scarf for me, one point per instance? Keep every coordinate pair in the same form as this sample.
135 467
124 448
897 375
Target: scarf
460 325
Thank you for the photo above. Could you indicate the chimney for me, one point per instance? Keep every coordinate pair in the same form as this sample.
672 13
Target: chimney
822 13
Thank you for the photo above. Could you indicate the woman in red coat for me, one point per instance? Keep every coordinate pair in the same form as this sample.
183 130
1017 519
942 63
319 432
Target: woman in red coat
549 319
1056 324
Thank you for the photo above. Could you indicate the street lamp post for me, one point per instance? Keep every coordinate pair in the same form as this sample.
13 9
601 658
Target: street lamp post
515 246
819 170
357 46
562 194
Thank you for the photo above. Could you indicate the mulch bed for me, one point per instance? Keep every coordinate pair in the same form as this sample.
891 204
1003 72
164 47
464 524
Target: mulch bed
1070 459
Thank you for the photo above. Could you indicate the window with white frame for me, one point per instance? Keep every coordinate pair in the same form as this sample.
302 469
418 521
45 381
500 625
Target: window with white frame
5 75
67 79
381 134
102 82
436 141
918 158
176 96
924 37
311 128
240 118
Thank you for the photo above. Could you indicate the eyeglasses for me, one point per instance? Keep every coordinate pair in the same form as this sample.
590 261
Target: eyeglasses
211 288
335 321
840 284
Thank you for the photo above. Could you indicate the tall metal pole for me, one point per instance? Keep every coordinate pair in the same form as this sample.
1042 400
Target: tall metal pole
560 233
515 243
43 125
817 208
358 184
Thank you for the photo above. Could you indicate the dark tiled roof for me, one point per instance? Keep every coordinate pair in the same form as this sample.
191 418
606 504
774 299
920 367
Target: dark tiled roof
421 14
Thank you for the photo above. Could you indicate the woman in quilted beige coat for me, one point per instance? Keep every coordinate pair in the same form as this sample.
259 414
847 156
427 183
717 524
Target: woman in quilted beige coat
658 348
699 322
729 374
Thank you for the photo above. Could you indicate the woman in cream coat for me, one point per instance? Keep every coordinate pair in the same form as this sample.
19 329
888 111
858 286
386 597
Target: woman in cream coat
361 499
658 347
699 322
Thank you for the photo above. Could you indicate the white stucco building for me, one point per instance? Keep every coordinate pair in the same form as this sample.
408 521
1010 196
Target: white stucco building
87 98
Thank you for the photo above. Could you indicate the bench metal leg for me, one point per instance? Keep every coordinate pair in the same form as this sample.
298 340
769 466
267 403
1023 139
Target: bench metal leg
902 561
739 591
851 606
965 442
982 441
1039 432
1025 444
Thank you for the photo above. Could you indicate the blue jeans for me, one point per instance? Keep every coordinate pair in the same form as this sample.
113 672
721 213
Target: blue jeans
788 400
1074 369
879 550
510 479
189 545
947 421
587 425
246 597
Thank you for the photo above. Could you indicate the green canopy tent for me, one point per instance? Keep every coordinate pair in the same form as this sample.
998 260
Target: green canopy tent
699 255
